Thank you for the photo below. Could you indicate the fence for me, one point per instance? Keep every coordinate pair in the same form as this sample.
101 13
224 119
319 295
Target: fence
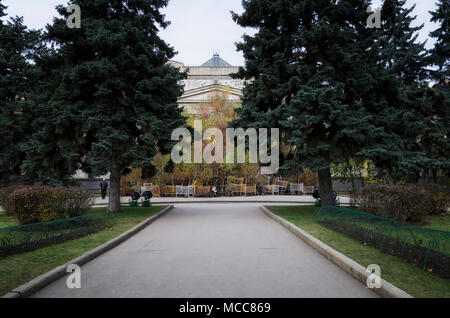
92 185
24 238
427 248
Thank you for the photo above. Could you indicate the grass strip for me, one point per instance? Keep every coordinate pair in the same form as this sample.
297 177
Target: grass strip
18 269
411 279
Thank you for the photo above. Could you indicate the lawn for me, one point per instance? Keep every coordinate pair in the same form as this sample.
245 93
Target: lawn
18 269
411 279
6 221
439 222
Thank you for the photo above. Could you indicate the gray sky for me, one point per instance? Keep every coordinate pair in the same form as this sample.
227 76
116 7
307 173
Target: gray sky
198 26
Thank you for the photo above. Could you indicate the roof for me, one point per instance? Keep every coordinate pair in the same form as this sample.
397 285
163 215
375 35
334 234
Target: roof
216 61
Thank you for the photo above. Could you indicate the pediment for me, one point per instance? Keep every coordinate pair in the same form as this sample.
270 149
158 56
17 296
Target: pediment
203 94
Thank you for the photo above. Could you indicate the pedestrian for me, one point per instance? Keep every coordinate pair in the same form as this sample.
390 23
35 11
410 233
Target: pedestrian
104 188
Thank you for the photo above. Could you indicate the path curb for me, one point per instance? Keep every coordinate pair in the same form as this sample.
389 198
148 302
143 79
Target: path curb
358 272
124 204
38 283
229 200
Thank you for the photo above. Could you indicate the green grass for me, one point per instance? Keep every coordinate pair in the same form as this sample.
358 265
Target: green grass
439 222
18 269
410 278
6 221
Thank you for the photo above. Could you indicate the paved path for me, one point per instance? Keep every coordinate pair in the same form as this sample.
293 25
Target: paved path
296 199
199 250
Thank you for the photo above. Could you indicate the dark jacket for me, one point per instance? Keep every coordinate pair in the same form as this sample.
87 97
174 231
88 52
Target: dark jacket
104 185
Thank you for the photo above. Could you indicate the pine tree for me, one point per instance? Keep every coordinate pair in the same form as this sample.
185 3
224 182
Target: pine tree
317 75
108 92
16 45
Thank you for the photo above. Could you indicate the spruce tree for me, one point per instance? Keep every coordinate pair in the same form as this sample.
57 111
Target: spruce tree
317 76
441 51
408 60
436 139
16 45
401 52
109 95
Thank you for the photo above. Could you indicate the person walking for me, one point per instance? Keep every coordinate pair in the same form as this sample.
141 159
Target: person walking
104 188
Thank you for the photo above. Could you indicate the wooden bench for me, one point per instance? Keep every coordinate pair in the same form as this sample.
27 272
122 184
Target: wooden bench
202 191
170 191
250 190
272 189
237 189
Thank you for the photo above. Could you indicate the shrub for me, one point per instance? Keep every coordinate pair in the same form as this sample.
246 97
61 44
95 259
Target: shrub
4 198
78 202
405 203
37 204
439 197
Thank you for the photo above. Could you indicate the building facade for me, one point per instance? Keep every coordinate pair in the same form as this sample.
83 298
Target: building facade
212 77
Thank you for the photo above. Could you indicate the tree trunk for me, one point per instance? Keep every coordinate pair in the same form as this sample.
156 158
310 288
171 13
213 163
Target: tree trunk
352 176
352 179
326 188
435 177
5 179
361 179
114 191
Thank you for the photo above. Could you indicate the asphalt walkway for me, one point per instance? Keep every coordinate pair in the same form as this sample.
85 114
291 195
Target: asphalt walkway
219 250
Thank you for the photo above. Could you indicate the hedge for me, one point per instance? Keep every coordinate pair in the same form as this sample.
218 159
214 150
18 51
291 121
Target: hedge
38 204
4 198
406 203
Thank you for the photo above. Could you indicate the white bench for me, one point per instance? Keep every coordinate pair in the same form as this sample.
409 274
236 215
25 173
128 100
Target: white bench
308 190
185 191
297 188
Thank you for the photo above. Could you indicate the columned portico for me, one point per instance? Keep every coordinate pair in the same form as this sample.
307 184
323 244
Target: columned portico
212 77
